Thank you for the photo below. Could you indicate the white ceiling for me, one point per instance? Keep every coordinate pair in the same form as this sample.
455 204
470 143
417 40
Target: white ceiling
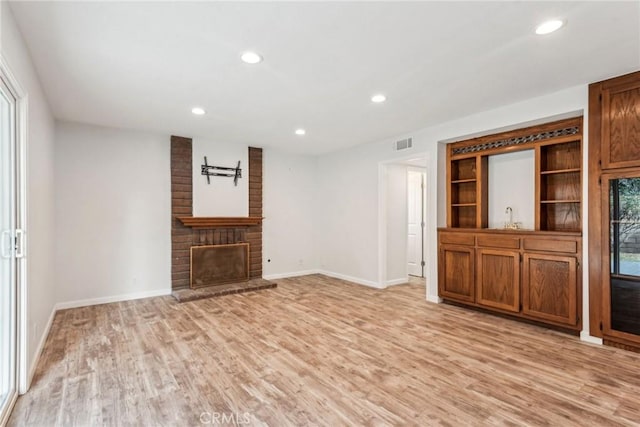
144 65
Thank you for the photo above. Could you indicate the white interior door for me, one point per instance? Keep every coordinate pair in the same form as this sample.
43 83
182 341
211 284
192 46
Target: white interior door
8 282
415 222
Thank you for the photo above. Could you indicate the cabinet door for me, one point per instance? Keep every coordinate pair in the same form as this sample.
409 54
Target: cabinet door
456 275
498 283
621 125
549 288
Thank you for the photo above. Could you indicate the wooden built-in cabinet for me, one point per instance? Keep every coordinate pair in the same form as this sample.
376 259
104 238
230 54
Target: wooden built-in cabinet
558 175
526 274
559 186
467 195
531 274
498 279
550 287
614 156
457 270
620 128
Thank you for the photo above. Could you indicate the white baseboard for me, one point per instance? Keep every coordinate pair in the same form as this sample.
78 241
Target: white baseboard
114 298
584 336
291 274
400 281
356 280
434 299
39 349
4 419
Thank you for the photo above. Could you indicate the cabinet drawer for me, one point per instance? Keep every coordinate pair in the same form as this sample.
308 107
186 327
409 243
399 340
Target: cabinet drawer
506 242
457 239
551 245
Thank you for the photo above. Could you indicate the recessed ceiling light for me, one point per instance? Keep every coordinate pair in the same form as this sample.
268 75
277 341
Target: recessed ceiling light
549 26
198 111
378 98
251 58
300 131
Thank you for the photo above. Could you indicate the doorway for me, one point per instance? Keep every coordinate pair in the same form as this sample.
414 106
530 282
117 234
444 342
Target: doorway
9 236
403 225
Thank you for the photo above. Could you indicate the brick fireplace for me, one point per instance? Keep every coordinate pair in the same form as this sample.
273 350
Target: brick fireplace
188 231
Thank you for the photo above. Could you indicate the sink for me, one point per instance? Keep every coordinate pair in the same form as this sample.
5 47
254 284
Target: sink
513 226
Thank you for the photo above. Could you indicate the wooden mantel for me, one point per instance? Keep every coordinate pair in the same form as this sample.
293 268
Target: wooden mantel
200 222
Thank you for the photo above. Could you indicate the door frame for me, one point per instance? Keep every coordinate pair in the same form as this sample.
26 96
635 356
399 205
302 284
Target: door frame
22 107
382 217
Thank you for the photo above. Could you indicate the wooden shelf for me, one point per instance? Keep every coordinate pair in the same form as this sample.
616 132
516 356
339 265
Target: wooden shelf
200 222
467 195
572 170
559 186
559 201
558 175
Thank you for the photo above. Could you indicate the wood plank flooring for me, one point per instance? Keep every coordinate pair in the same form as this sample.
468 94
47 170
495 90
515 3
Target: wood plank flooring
321 351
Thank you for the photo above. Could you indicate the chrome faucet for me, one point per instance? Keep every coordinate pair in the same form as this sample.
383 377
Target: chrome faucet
511 225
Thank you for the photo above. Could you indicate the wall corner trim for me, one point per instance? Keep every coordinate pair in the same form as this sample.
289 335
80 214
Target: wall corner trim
352 279
434 299
399 281
38 353
586 337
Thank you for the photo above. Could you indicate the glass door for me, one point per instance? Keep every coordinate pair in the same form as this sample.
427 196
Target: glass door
8 282
622 304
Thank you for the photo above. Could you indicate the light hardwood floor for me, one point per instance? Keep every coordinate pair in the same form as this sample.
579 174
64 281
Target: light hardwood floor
321 351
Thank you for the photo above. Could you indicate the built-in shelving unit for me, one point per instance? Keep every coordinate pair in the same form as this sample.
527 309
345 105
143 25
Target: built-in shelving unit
559 186
530 274
558 176
468 179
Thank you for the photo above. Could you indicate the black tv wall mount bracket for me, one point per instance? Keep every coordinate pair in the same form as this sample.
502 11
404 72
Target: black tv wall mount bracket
210 171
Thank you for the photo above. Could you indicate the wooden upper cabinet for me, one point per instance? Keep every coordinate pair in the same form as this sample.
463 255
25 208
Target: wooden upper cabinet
498 282
620 126
614 146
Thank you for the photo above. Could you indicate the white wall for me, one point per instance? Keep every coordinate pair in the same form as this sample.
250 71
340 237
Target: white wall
221 197
347 219
289 182
113 196
40 185
348 199
512 183
113 214
396 222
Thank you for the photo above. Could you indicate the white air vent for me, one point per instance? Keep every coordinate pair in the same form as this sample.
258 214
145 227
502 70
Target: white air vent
403 144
